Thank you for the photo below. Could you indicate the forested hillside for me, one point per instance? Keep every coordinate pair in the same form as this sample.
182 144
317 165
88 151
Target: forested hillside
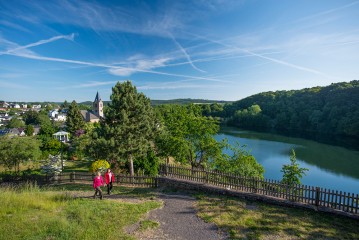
330 110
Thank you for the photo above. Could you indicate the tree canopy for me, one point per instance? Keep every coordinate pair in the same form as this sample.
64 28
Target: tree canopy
14 151
16 123
187 135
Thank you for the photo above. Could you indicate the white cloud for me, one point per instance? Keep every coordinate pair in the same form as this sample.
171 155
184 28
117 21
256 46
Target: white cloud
138 65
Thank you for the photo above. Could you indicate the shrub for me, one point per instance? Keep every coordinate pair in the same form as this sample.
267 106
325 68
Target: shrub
99 165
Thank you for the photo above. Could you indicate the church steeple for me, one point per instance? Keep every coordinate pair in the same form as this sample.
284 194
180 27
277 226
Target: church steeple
97 106
97 98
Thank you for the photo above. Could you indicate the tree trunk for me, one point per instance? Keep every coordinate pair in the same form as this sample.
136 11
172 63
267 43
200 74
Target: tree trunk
130 158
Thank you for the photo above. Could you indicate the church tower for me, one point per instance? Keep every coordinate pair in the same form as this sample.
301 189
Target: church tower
97 106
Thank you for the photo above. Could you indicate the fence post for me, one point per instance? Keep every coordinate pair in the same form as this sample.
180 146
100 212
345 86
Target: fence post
57 177
156 182
72 177
317 196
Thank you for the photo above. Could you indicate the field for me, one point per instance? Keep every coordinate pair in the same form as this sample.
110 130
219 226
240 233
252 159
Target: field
34 213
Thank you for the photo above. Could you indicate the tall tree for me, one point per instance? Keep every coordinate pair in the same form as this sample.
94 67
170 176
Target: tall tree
74 120
128 128
47 127
65 104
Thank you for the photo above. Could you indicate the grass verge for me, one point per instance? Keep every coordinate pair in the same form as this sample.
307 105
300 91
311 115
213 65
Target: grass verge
247 220
32 213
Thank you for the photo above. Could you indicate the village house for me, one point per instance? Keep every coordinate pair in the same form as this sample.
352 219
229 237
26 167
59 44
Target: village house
36 106
57 116
4 104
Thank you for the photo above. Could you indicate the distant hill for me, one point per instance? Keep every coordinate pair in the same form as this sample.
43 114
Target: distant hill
183 101
332 109
180 101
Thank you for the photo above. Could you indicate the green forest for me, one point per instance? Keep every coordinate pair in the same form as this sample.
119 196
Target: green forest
332 111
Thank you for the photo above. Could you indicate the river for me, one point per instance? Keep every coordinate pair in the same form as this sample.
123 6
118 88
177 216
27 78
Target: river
332 167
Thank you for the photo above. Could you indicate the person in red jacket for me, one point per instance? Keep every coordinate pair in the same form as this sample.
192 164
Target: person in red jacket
109 178
97 183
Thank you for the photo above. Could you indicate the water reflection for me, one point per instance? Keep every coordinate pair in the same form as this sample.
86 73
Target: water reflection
330 166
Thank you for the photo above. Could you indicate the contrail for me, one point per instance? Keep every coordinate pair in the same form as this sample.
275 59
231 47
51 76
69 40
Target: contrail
185 53
327 12
269 58
210 59
68 37
109 66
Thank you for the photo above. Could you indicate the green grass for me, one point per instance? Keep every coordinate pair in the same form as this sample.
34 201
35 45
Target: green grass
247 220
77 165
33 213
148 224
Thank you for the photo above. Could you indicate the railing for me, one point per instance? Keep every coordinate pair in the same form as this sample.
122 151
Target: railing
79 177
315 196
347 202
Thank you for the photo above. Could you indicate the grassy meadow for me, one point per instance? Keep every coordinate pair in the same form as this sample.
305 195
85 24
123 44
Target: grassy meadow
254 220
29 212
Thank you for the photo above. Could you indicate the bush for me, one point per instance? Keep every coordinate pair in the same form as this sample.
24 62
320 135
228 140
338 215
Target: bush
99 165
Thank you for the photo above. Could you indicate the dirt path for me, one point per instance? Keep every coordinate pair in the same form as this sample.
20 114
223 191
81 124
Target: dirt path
178 220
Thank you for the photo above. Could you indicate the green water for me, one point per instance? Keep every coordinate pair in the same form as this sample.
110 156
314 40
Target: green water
332 167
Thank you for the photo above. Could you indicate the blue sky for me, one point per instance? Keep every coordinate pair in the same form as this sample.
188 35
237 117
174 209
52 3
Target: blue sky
210 49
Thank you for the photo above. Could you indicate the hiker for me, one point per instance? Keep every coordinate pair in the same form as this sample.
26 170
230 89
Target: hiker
97 183
109 179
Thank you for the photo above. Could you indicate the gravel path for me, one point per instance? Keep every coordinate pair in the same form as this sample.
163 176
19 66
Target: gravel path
178 220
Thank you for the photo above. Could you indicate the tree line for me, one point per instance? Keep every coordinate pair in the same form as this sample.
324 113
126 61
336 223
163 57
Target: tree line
331 110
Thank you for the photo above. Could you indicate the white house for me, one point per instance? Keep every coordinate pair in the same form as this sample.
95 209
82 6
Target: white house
60 118
53 113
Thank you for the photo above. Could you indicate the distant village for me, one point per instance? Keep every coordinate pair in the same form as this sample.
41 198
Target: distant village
9 110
